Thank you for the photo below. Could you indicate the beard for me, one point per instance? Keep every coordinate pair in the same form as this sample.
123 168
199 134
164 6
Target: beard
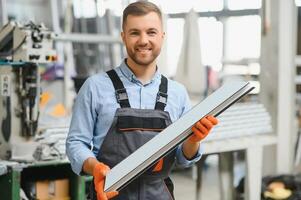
143 60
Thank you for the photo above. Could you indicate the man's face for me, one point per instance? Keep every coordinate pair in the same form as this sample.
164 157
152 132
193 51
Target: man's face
143 37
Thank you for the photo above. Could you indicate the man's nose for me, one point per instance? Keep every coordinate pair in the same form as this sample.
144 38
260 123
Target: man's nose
143 39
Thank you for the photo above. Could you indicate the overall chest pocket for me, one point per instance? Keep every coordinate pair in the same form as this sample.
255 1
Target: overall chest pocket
133 132
132 123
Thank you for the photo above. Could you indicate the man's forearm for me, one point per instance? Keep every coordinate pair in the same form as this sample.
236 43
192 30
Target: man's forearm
190 149
89 165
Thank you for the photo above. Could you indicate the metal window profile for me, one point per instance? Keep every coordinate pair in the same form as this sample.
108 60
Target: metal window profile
87 38
220 14
139 161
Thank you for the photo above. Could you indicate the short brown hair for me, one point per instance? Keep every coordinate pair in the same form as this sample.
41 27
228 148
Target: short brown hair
140 8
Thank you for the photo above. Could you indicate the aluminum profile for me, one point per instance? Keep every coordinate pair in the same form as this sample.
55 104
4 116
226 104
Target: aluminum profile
148 154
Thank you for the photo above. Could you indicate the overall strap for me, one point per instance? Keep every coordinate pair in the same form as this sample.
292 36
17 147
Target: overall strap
162 94
120 91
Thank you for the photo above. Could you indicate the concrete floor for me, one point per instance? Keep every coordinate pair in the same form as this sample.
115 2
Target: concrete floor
185 185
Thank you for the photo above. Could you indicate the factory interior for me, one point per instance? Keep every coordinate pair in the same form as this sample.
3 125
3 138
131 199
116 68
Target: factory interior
49 48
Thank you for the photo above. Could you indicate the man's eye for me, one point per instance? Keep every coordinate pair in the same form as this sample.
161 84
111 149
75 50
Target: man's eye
134 33
152 33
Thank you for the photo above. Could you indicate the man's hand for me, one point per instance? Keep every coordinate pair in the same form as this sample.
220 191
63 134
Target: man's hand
202 128
99 172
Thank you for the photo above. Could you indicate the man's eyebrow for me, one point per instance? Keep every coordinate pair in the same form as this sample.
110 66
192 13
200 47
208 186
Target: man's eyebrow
133 29
152 29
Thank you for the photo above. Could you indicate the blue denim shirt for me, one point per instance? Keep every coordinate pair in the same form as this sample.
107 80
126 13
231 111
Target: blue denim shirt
95 107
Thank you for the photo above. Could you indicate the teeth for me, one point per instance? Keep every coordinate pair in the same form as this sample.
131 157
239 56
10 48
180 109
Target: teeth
143 49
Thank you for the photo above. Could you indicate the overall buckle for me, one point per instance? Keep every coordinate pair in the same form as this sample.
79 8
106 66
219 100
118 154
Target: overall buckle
121 95
162 97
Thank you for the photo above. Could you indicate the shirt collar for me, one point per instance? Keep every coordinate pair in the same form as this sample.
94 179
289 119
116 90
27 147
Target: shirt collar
127 72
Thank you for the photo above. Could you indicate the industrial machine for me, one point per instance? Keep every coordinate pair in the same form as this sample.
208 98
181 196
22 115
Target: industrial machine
22 49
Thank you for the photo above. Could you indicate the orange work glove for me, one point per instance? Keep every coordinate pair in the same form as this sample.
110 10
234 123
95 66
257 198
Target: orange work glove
99 172
202 128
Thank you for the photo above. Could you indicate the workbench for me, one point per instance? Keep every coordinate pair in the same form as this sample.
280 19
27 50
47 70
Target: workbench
253 147
10 183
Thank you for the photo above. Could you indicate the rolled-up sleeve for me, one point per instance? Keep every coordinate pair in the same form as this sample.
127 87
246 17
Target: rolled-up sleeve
78 143
182 161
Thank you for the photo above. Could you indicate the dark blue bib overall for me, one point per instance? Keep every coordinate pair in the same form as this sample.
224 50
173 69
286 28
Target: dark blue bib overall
131 128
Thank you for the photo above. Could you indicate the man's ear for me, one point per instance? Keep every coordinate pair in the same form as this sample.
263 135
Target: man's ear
163 35
122 36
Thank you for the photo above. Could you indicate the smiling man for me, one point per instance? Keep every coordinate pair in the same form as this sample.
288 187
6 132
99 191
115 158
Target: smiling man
120 110
143 37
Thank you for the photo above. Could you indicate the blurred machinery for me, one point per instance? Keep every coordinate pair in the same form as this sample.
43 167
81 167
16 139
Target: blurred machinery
22 48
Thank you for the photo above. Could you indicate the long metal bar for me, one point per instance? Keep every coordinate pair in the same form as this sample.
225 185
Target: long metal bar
220 14
87 38
286 87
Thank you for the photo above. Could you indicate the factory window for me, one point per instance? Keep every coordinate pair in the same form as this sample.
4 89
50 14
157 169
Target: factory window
298 2
114 5
174 33
177 6
244 4
243 37
211 39
84 9
92 8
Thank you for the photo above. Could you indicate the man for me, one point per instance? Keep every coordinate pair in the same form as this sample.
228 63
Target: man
122 109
